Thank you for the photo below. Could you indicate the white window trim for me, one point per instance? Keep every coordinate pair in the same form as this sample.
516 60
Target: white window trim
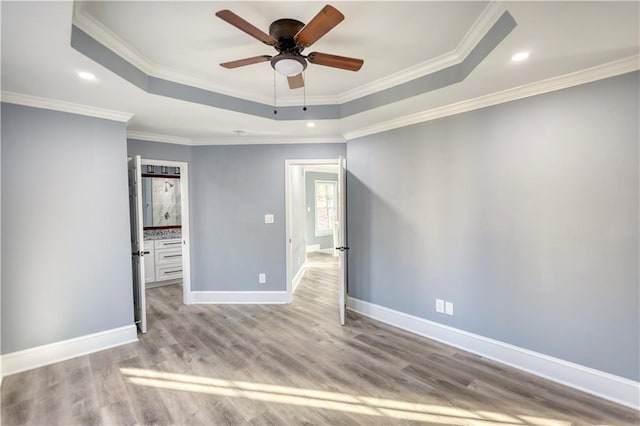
315 207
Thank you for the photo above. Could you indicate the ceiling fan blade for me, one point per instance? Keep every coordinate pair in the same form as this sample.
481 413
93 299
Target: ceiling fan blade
245 61
342 62
326 19
296 81
233 19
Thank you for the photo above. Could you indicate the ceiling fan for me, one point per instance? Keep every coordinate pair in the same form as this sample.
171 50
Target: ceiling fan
290 37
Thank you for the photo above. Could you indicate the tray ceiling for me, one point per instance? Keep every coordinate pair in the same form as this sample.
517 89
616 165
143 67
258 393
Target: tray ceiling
184 42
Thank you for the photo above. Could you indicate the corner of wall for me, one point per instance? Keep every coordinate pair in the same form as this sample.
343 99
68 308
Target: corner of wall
604 385
40 356
298 277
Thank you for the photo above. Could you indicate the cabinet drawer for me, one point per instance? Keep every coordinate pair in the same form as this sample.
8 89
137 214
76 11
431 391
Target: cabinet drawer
171 256
168 272
149 262
163 244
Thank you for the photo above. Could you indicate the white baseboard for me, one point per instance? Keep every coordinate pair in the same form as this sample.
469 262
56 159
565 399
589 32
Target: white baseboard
605 385
298 277
156 284
312 248
239 297
28 359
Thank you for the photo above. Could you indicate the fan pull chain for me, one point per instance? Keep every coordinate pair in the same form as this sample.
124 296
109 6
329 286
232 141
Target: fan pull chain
304 88
275 109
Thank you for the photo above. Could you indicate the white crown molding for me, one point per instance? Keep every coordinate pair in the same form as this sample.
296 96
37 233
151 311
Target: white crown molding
56 105
235 140
610 69
607 70
487 19
90 25
268 140
87 23
157 137
491 13
28 359
605 385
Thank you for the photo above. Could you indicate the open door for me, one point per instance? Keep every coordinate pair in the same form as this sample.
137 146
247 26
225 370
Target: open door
137 242
342 236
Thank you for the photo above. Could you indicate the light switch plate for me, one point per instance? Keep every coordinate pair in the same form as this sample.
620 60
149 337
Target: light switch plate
440 306
448 308
262 278
268 218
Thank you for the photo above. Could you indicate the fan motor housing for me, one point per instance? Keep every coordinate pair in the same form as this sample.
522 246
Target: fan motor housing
284 30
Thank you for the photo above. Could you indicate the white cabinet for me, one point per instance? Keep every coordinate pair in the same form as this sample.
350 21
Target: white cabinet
164 261
149 262
168 257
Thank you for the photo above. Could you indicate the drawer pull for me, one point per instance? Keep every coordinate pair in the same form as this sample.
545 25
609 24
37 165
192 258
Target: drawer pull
173 272
169 244
174 255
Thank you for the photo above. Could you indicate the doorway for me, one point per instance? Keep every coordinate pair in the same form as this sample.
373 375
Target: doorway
315 223
159 201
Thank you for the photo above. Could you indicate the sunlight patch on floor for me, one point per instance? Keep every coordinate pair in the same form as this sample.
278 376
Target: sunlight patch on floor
336 401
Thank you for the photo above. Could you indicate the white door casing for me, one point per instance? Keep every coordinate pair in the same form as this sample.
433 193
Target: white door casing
187 295
342 236
137 242
306 163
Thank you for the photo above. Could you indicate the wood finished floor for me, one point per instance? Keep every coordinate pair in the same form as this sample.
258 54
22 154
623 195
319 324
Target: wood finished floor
288 365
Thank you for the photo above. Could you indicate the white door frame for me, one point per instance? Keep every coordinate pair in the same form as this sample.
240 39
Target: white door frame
137 243
184 211
288 213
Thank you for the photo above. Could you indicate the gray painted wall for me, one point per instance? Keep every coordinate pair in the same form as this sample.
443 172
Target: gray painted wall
234 187
231 189
325 241
298 249
524 215
65 227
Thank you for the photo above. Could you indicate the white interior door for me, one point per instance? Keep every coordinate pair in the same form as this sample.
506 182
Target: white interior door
342 236
137 242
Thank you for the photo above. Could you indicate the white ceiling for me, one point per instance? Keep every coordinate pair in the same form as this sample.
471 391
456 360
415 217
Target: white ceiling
185 42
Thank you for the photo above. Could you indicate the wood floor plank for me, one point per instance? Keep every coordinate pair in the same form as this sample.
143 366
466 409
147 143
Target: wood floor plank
288 365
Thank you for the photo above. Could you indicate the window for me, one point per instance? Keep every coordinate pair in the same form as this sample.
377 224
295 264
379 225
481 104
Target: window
326 210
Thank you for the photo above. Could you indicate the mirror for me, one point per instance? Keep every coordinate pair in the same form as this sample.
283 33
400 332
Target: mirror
161 202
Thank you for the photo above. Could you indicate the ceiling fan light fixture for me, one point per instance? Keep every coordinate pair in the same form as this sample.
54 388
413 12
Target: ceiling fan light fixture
288 65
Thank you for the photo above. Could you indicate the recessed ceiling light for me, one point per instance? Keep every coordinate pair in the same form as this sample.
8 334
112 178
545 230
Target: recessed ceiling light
86 75
520 56
311 124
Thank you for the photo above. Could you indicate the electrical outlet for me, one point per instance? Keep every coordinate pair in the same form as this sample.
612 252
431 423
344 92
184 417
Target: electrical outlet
440 306
448 308
262 278
268 218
